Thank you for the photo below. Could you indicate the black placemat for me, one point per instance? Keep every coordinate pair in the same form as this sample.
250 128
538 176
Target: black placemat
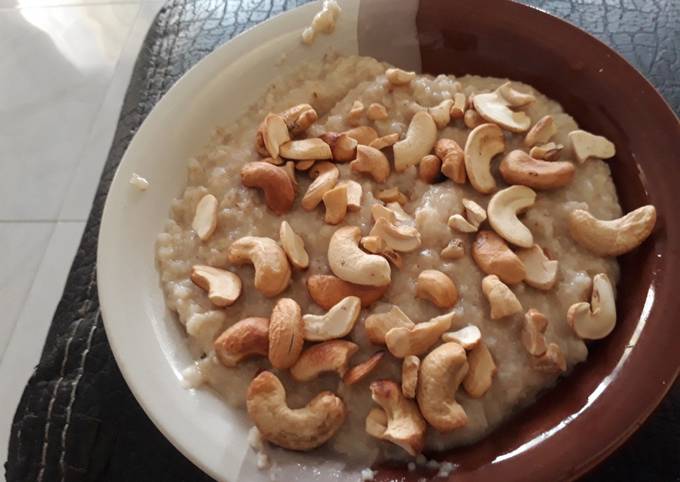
77 420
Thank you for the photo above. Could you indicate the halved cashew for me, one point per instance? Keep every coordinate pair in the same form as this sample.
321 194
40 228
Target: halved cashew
518 167
364 135
286 333
304 165
378 324
502 300
441 373
400 238
409 376
246 338
363 369
336 323
460 224
467 337
278 188
371 161
429 169
535 324
205 217
435 286
552 361
293 245
481 370
354 194
392 194
474 213
376 422
350 263
597 319
399 77
484 142
453 250
403 424
356 113
458 107
376 245
335 201
615 237
223 287
343 147
419 141
587 145
272 271
289 167
472 119
402 341
547 152
328 290
327 175
503 209
274 134
541 132
441 113
379 211
329 356
493 256
295 429
299 118
376 111
541 271
514 97
305 150
384 141
495 107
402 216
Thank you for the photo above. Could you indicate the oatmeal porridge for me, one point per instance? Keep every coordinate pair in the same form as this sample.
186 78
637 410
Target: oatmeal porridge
355 234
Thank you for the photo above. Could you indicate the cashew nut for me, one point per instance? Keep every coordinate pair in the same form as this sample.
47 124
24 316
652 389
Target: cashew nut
293 245
378 324
552 361
343 147
379 211
403 424
363 369
453 250
493 256
305 150
541 132
392 194
458 107
350 263
467 337
335 201
295 429
535 324
384 141
400 238
205 217
441 113
245 338
371 161
299 118
327 291
409 376
354 194
472 119
514 97
272 271
364 135
484 142
327 175
376 111
278 189
286 334
597 319
429 169
304 165
502 300
356 113
547 152
441 373
615 237
518 167
474 213
223 287
274 134
459 223
587 145
417 340
329 356
376 245
289 167
336 323
481 370
503 209
541 271
399 77
419 141
435 286
495 107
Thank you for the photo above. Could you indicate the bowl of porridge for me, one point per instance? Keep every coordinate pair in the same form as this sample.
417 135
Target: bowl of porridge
454 268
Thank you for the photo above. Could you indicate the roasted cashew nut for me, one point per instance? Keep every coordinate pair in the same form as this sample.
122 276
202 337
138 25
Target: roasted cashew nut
409 376
419 141
535 324
483 143
436 287
481 370
327 290
326 176
495 107
305 150
399 77
363 369
336 323
295 429
541 271
371 161
278 188
493 256
272 271
293 245
402 342
329 356
399 238
378 324
205 217
343 147
502 300
467 337
286 334
541 132
586 145
518 167
364 135
351 264
503 209
223 287
597 319
246 338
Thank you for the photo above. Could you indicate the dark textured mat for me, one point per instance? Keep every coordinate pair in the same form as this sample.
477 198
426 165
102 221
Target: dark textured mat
77 420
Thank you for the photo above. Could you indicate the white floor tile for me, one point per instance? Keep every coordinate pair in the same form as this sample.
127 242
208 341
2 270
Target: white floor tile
56 66
25 345
24 245
83 186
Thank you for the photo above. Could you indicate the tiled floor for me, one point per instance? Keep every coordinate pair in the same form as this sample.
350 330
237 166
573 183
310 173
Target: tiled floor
65 67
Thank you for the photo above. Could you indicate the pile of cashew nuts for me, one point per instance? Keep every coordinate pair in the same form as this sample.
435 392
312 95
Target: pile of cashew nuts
435 360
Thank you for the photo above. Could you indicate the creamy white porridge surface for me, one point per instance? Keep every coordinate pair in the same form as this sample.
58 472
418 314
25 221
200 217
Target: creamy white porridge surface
332 88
